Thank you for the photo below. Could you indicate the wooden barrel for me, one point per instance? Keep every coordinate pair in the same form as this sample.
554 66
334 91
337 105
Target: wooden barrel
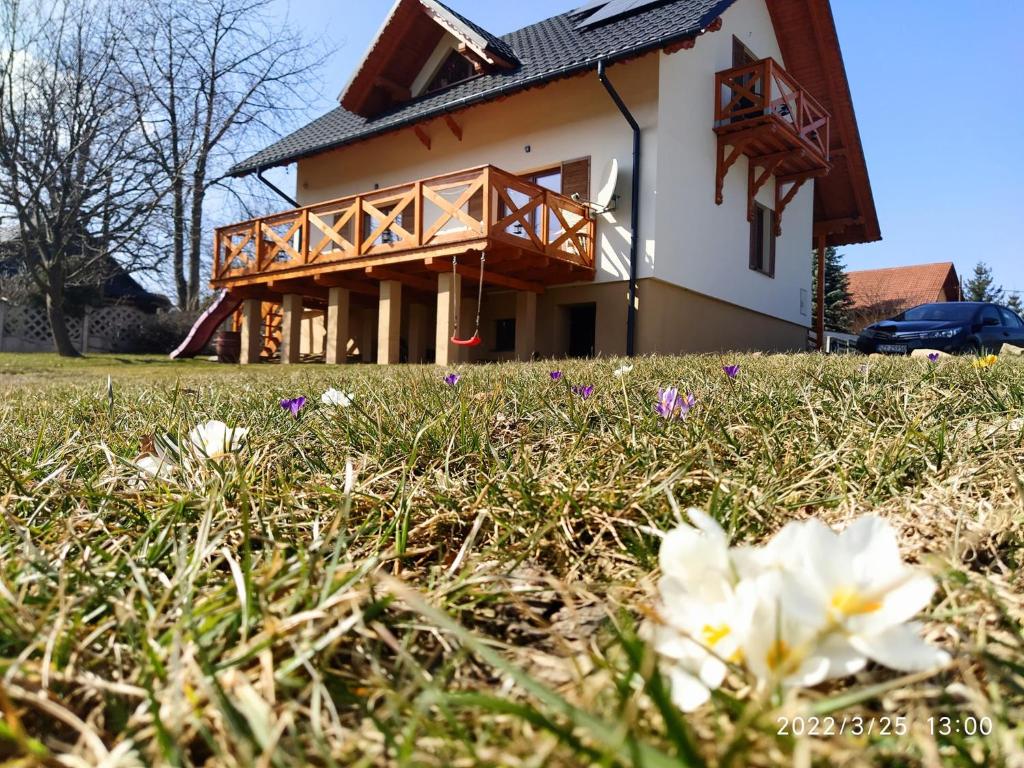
229 346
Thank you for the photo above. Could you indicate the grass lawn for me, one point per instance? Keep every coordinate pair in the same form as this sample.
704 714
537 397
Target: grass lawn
476 598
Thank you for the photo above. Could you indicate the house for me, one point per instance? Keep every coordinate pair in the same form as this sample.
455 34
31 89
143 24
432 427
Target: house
882 293
628 178
109 283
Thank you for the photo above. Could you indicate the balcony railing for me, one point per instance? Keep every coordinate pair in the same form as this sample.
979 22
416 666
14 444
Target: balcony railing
481 208
764 92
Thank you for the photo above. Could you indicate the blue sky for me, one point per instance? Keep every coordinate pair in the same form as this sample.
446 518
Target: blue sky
935 86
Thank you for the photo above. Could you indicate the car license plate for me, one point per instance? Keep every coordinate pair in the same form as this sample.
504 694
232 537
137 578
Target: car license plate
893 349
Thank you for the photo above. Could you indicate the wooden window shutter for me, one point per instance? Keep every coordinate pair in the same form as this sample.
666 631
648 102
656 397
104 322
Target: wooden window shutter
576 178
755 238
769 222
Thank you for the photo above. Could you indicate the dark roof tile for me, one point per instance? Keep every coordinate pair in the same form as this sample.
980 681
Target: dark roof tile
547 50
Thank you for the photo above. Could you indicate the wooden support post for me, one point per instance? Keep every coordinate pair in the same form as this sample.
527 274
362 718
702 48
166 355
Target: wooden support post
389 322
526 325
252 331
291 328
448 288
418 330
819 323
337 325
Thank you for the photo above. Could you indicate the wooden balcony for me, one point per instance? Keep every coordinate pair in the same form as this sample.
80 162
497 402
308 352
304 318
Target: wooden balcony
532 238
762 112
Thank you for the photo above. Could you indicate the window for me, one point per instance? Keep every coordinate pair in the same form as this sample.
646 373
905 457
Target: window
1010 319
990 316
569 178
762 240
505 335
455 69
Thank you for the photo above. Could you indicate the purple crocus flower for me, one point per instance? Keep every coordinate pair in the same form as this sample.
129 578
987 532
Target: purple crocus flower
732 371
672 405
556 375
933 356
452 379
294 405
583 391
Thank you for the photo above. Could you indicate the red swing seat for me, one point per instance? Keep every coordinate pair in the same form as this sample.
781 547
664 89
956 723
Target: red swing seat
472 341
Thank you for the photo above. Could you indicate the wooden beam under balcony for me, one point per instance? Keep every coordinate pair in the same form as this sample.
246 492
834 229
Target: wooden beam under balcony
490 276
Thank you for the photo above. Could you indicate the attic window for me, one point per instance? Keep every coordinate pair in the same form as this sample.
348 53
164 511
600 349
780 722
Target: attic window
455 69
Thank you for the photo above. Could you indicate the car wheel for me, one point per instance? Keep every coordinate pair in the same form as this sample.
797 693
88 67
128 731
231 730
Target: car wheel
972 348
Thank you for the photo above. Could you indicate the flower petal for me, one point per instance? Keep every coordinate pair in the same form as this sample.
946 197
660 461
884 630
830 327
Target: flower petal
901 648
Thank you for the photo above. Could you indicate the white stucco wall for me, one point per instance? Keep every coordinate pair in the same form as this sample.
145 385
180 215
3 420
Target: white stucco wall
700 246
565 120
703 246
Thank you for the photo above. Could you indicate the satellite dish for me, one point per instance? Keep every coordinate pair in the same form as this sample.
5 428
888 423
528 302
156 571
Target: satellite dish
606 196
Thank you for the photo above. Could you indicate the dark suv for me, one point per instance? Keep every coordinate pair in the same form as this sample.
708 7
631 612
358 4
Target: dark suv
958 326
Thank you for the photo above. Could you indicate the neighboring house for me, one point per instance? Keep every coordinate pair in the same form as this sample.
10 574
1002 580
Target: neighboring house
114 285
450 142
883 293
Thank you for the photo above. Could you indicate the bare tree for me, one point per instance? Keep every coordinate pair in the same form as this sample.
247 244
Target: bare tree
220 77
74 172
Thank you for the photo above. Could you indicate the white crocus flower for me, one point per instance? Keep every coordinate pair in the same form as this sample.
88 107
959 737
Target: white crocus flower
782 649
154 467
621 371
855 586
214 440
703 617
809 605
699 638
336 397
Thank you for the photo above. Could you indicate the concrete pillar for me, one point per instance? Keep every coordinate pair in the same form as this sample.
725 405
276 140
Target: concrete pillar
337 326
389 322
252 331
526 325
418 330
291 328
448 287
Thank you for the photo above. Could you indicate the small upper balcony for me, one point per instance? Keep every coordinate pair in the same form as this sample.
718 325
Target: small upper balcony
762 112
532 237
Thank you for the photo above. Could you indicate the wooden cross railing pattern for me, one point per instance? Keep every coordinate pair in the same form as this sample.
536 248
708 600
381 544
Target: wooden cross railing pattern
478 207
764 89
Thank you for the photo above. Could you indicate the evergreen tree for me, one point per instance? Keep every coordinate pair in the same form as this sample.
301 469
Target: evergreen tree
1014 303
838 302
982 285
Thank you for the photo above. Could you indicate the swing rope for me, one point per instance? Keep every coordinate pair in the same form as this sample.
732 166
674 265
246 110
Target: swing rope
473 340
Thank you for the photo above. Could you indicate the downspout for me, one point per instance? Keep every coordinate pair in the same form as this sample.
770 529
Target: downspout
274 188
634 215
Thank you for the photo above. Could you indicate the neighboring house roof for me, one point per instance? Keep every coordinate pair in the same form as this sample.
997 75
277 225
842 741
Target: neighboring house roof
903 287
118 288
545 51
844 210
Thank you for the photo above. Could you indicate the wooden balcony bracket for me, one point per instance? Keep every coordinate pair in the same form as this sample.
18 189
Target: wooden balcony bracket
725 161
756 180
422 136
791 184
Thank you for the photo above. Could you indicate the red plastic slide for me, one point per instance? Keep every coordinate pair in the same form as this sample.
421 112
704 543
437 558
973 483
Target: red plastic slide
204 327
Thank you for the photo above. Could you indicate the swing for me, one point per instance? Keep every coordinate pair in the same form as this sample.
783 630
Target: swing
473 340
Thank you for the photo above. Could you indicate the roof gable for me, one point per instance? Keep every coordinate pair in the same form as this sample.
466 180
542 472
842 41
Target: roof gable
407 39
548 50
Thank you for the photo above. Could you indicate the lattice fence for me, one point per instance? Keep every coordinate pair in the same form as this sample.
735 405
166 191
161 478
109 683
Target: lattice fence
101 329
